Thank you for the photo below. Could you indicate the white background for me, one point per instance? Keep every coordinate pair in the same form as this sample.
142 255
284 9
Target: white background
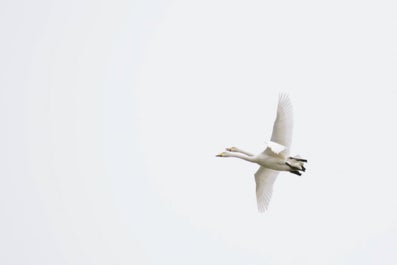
112 113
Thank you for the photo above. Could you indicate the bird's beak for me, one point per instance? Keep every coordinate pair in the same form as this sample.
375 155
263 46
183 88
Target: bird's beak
220 155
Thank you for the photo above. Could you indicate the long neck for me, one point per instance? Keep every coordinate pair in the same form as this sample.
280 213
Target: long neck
241 156
243 152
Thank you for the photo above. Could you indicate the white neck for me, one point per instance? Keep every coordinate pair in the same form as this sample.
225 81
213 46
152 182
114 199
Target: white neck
242 151
241 156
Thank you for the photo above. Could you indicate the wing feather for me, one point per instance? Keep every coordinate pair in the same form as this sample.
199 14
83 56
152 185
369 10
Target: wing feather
283 125
264 179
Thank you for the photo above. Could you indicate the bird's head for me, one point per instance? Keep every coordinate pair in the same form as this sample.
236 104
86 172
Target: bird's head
223 154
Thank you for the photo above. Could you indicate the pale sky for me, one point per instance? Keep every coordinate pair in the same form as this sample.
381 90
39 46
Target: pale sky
112 113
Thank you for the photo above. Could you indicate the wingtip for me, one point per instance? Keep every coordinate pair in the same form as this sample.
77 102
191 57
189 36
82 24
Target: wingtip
283 95
262 209
284 102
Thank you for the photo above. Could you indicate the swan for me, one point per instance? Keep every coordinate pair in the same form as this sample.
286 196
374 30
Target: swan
275 157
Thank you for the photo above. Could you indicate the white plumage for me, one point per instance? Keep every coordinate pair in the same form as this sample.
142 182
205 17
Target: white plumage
275 157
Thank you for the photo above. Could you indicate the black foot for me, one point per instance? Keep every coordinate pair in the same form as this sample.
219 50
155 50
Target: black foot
303 169
292 167
298 159
296 172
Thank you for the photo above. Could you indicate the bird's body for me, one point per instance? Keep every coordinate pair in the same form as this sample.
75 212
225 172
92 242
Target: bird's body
272 162
275 157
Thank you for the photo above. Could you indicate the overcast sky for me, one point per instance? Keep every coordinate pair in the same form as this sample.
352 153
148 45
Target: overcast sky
112 113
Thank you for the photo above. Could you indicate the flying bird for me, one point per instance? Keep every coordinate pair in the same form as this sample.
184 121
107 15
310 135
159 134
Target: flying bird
275 157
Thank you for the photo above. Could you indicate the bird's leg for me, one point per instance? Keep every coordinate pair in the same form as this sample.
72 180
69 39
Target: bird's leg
296 172
298 159
299 167
291 166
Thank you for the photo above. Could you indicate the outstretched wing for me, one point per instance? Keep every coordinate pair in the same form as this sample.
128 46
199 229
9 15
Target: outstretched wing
264 179
282 127
275 147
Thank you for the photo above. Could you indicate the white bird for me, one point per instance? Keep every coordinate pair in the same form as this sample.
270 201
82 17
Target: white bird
276 157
